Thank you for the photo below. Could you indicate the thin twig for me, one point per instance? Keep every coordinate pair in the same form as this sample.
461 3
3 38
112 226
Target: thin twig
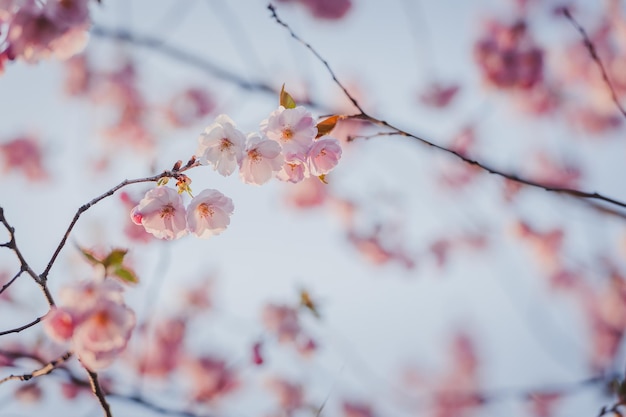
45 370
485 167
97 390
594 55
12 280
12 244
317 55
24 327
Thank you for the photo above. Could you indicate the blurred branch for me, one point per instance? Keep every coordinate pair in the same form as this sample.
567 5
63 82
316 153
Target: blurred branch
594 55
45 370
362 115
203 64
80 382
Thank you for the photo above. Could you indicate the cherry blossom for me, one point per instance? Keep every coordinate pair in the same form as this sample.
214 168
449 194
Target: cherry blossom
508 56
36 31
221 145
24 154
324 155
209 213
104 334
161 212
261 159
295 168
94 318
189 106
211 378
294 129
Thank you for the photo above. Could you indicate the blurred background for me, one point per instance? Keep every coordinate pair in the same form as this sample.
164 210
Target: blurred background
433 288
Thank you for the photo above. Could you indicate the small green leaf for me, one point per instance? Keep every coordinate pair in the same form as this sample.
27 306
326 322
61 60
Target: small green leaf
127 275
115 258
327 125
90 256
286 100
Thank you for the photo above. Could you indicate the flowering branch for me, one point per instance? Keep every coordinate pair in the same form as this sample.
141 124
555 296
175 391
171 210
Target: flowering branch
174 173
45 370
594 55
362 115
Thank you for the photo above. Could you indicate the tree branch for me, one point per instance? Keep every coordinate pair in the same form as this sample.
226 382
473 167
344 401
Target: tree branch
24 327
97 390
45 370
594 55
362 115
203 64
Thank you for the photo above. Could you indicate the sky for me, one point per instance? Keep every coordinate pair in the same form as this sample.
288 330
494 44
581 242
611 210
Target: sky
378 321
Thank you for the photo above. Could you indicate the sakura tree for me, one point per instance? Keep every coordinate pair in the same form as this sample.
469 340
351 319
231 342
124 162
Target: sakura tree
313 207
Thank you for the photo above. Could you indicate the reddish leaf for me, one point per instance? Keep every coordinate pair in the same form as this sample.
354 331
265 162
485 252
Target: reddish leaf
327 125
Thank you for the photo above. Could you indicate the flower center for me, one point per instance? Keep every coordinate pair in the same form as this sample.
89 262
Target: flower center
225 144
167 211
205 210
254 155
287 133
101 318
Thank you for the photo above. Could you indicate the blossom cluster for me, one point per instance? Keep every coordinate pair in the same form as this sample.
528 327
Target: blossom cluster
289 146
509 57
95 319
286 147
36 29
162 213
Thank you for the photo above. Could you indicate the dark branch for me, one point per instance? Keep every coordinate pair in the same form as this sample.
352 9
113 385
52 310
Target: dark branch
97 390
24 327
594 55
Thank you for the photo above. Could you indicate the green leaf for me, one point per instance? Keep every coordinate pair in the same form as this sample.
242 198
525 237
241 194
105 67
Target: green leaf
115 258
127 275
286 100
90 256
327 125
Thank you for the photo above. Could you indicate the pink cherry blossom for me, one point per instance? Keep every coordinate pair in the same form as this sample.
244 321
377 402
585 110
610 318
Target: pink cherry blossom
211 378
295 168
104 334
24 153
68 12
189 106
294 129
59 324
221 145
161 213
324 155
262 159
209 213
94 319
161 350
